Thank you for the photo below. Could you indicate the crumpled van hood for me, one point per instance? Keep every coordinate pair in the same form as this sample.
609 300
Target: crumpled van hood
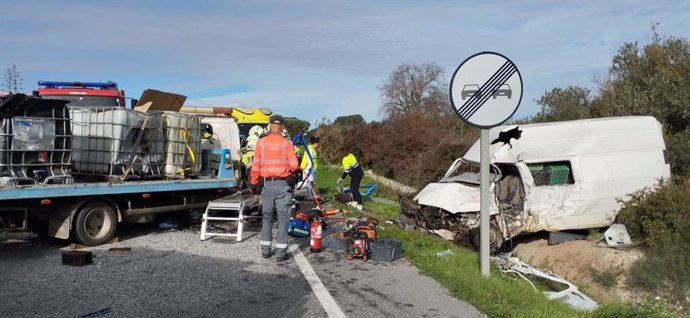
450 196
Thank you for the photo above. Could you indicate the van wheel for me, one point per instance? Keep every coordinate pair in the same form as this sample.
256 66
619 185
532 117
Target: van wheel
95 224
495 238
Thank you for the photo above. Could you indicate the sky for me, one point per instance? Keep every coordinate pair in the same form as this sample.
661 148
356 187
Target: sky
318 60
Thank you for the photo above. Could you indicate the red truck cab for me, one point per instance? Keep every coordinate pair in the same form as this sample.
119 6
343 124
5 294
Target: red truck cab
83 93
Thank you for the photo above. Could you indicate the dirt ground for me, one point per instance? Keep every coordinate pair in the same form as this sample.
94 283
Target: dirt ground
597 271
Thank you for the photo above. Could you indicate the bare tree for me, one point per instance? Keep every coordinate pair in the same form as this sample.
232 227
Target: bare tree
414 89
13 80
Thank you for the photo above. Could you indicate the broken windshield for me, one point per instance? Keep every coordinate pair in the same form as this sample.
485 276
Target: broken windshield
465 172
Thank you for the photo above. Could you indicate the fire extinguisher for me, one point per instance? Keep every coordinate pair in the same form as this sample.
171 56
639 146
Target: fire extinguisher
315 236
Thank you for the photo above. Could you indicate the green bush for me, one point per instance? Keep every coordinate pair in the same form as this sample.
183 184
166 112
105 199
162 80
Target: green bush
295 125
679 152
349 120
661 218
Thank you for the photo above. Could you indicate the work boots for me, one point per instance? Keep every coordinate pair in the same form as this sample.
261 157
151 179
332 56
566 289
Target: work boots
266 252
281 255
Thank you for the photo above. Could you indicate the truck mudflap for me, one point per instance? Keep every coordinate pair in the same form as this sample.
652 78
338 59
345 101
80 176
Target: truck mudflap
60 223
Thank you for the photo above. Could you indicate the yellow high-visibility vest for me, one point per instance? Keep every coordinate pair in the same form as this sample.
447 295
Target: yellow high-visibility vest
350 162
305 159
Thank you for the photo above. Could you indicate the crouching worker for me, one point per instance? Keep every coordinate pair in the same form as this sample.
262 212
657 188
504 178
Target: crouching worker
354 170
273 164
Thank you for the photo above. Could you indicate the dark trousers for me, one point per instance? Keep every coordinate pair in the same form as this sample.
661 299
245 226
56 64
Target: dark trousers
356 174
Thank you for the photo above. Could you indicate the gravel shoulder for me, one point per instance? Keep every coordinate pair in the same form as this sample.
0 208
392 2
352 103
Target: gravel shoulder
166 274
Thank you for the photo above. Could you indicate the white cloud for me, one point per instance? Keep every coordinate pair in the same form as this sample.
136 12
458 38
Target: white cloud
321 59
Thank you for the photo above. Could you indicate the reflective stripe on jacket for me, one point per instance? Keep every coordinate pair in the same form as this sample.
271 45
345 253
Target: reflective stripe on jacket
274 156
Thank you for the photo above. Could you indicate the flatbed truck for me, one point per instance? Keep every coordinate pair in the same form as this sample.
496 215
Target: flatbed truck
91 211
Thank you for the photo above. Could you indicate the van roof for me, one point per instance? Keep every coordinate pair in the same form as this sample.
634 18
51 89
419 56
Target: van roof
560 140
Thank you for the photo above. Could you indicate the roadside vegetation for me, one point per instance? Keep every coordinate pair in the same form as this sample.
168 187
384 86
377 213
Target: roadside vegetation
420 136
662 219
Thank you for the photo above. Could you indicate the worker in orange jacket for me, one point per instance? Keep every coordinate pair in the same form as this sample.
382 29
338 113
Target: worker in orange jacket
274 164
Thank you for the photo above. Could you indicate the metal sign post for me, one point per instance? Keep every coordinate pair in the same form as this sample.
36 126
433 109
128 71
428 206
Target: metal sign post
485 91
484 198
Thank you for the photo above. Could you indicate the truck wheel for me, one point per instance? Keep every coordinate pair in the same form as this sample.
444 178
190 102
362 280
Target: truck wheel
495 238
96 223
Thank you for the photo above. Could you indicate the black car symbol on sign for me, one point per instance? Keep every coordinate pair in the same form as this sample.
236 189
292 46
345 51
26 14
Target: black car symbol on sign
469 90
504 90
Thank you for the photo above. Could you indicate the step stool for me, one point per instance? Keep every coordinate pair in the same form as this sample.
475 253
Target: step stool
229 203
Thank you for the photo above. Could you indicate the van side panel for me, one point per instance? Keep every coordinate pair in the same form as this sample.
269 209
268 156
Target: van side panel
543 203
604 178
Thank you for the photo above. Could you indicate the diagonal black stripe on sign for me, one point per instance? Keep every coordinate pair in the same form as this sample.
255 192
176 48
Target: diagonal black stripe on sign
488 93
487 90
494 82
492 90
474 99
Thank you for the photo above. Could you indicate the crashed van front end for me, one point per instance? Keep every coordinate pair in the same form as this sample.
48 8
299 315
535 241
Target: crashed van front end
449 207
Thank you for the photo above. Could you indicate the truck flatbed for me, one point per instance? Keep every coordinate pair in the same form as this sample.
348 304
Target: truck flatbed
38 191
92 210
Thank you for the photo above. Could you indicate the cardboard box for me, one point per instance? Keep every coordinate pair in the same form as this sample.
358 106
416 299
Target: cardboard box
155 100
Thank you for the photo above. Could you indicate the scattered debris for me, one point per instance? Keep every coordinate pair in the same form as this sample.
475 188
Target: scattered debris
22 236
396 222
77 258
99 313
168 225
76 246
445 234
617 235
570 295
445 253
120 249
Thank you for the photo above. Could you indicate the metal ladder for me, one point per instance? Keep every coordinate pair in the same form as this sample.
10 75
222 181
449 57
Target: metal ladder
230 203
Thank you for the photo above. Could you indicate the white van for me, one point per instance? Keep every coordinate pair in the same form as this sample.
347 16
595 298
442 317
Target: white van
555 176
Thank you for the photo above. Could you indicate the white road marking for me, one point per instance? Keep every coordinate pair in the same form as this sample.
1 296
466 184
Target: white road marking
322 294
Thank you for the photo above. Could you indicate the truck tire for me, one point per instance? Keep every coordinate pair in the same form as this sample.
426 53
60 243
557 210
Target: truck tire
95 224
495 238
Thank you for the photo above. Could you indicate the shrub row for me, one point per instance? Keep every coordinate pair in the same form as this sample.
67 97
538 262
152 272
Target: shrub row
411 149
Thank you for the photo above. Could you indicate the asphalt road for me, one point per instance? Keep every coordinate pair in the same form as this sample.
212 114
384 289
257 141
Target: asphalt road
174 274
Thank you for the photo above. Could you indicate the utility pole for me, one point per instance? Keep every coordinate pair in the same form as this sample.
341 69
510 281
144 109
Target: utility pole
13 81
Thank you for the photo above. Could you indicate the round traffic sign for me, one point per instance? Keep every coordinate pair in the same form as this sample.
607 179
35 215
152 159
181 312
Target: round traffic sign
486 89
